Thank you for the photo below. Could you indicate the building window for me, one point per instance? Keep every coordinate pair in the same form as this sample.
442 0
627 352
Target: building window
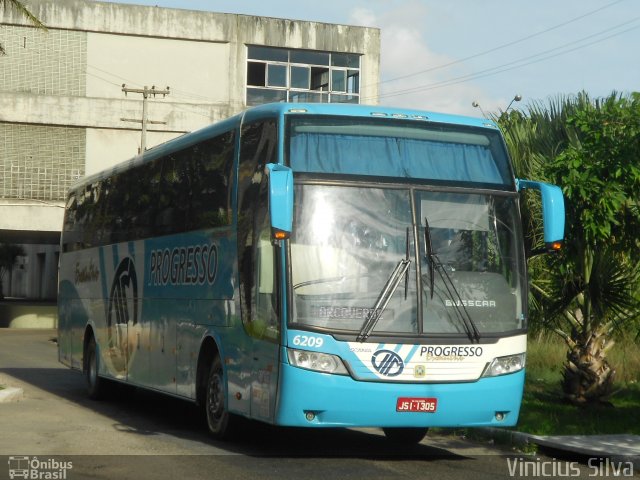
283 75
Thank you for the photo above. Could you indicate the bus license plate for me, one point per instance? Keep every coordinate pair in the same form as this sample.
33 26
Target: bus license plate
412 404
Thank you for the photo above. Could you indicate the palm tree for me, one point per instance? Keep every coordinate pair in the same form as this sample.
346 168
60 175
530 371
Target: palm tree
589 148
22 10
588 300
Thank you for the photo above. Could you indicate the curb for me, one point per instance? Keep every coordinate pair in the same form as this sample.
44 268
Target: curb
11 394
511 437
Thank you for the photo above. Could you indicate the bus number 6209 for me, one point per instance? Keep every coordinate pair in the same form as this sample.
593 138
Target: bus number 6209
306 341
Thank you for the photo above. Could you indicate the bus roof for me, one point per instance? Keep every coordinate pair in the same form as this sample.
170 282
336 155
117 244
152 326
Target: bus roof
275 110
355 110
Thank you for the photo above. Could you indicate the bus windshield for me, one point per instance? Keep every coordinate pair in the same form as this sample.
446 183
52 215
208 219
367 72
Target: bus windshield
348 240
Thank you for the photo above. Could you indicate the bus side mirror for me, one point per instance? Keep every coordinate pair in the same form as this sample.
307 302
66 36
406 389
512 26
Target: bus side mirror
280 200
552 212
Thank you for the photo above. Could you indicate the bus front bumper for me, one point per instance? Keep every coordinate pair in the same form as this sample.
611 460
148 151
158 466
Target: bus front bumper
311 399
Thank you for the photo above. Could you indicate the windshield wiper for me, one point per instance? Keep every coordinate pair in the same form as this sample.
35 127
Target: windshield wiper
406 278
428 248
387 292
456 300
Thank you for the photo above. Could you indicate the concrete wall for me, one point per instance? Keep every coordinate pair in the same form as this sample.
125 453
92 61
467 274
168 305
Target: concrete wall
71 76
201 56
17 315
24 214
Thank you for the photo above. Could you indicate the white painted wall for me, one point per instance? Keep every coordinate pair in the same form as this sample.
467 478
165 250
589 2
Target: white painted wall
196 72
107 147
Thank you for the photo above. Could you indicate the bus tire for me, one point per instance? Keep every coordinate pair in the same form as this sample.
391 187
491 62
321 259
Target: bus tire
219 420
405 435
96 386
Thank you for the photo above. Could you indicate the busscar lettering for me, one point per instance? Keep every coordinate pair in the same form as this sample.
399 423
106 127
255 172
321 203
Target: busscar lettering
471 303
183 266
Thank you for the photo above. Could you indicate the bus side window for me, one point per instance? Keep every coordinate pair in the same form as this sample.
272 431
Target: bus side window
87 215
212 169
71 227
168 218
258 295
192 187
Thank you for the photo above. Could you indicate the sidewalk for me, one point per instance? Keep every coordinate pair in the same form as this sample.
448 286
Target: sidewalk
10 394
617 448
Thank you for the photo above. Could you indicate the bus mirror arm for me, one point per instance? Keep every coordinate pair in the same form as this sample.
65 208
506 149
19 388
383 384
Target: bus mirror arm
280 200
553 213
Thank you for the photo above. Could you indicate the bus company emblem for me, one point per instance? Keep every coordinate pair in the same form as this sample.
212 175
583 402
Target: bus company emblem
387 363
123 300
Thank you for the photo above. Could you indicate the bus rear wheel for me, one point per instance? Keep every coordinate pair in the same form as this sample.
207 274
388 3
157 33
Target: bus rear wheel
405 435
96 386
219 420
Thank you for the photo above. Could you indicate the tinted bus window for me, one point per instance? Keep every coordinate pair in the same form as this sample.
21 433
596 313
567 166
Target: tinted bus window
182 191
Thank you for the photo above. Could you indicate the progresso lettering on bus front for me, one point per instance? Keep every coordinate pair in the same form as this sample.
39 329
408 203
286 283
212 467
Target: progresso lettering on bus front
190 265
349 313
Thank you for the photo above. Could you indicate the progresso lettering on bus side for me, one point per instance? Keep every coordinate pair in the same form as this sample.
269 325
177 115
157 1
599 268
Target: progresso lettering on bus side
191 265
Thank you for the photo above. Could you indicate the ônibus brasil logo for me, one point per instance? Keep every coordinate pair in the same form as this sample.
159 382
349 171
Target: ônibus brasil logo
123 299
388 363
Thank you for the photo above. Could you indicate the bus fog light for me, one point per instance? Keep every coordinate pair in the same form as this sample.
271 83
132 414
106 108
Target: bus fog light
310 416
505 365
318 362
499 416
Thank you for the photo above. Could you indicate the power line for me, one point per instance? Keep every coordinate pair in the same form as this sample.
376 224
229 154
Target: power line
500 47
522 62
190 108
177 93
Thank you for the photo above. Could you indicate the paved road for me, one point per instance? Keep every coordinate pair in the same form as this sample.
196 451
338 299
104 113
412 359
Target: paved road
139 435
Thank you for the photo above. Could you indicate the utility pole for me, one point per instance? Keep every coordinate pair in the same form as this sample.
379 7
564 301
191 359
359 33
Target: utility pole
146 91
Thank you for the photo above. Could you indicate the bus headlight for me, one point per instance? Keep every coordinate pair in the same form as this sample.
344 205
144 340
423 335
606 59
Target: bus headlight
505 365
318 362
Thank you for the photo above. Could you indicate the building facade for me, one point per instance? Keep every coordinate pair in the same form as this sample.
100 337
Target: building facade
72 98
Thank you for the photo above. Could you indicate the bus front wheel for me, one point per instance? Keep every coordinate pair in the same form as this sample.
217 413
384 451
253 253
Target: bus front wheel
219 420
405 435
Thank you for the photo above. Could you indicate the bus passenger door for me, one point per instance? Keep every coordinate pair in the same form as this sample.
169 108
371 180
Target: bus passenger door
264 327
258 277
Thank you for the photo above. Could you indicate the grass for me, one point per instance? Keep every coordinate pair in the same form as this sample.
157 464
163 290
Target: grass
546 354
544 412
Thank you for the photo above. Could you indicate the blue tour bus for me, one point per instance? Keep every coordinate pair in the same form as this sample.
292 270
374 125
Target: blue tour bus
308 265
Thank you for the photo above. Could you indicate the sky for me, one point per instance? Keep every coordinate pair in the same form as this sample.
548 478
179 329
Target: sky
447 55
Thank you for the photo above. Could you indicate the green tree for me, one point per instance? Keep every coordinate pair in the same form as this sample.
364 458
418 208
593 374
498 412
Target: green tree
9 253
591 148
